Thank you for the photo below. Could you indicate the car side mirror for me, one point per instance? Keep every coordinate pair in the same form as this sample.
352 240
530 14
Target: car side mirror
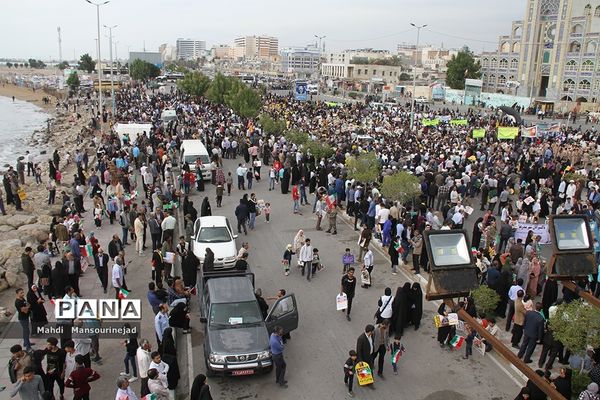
235 236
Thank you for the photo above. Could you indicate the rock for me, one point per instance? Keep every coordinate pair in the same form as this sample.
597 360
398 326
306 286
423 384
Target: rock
18 220
10 243
6 228
52 210
44 220
37 231
10 235
13 264
3 286
12 278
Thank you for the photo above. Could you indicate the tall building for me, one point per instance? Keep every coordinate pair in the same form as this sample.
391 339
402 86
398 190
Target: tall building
551 55
258 46
188 49
168 52
301 61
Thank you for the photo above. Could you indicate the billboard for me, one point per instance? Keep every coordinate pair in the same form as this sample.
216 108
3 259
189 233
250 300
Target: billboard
301 90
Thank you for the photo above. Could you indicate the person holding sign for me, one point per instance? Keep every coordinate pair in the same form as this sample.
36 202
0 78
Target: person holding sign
364 355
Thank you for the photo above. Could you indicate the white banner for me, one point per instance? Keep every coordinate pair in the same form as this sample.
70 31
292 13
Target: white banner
538 229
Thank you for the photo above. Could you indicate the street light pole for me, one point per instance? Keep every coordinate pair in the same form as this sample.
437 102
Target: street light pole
98 66
412 103
112 76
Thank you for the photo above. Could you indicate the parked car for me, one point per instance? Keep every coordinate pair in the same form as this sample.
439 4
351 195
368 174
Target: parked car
215 232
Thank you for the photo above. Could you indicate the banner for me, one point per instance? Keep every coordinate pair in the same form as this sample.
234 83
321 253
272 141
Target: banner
445 118
529 132
507 132
456 122
430 122
538 229
478 133
301 91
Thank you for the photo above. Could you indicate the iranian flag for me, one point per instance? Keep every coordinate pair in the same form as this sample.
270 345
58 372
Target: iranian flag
123 293
194 290
330 201
151 396
457 341
398 247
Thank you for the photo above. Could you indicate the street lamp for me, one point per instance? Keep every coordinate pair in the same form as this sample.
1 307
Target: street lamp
412 104
453 272
99 67
112 80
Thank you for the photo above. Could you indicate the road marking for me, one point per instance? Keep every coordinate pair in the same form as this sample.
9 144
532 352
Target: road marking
493 357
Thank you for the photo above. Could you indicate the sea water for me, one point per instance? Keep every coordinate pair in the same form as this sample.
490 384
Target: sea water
18 121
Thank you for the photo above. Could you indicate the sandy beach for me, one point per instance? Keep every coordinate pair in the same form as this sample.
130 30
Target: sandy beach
27 94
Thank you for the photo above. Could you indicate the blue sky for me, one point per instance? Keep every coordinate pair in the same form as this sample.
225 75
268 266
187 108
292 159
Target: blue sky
28 27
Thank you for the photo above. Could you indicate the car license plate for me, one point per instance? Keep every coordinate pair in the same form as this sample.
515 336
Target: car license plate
242 372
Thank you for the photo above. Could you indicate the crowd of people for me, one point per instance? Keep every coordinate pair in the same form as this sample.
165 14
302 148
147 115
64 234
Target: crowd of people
133 182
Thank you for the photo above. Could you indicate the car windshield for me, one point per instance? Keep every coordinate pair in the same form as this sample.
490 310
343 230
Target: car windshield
214 234
191 159
231 314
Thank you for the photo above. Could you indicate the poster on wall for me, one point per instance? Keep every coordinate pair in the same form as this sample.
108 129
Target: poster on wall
301 91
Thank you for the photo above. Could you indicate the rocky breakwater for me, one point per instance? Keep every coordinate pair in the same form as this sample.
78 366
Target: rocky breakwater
30 227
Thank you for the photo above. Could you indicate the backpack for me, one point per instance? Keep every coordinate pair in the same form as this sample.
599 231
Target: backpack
12 373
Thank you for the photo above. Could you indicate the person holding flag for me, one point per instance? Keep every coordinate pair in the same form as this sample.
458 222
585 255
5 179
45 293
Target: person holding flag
397 350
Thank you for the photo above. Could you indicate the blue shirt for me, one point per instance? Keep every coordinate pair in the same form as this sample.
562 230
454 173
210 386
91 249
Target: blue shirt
371 212
276 344
153 299
74 244
136 152
161 322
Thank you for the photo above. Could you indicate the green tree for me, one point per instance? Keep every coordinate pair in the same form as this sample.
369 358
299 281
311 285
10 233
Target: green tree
401 187
32 63
461 67
86 63
270 125
219 87
576 325
243 100
194 84
486 300
63 65
176 66
364 168
143 70
297 137
404 76
318 149
73 81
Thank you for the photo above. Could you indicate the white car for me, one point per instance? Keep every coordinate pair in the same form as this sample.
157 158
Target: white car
215 232
421 99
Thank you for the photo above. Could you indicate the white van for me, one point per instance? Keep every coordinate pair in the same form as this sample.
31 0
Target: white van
190 151
168 116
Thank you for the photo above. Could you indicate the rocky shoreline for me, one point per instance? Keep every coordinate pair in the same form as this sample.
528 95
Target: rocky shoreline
31 226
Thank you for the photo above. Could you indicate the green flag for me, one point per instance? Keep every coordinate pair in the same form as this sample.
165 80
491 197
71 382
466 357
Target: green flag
456 122
430 122
478 133
507 132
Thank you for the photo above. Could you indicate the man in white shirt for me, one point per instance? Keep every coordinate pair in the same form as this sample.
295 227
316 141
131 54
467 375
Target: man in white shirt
158 364
118 278
306 257
143 358
124 392
168 226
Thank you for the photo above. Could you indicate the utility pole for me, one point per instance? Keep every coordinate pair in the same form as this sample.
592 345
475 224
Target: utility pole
59 46
320 49
412 103
98 66
112 75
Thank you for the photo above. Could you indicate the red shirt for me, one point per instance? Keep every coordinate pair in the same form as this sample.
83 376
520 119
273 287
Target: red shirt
295 193
79 380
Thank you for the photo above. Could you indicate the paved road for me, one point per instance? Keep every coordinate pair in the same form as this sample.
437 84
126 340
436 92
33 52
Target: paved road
319 347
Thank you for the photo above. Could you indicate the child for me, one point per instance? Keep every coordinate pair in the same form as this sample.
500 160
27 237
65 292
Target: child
347 260
316 262
219 194
397 350
471 333
287 259
229 182
267 211
98 216
38 174
349 371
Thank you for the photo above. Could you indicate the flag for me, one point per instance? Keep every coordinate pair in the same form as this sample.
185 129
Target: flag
151 396
457 341
397 354
194 290
52 301
89 249
330 201
83 251
507 132
398 248
123 293
478 133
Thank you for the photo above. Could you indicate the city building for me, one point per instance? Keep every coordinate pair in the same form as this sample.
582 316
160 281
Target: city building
303 62
188 49
429 57
550 56
362 72
167 52
149 56
266 47
348 56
